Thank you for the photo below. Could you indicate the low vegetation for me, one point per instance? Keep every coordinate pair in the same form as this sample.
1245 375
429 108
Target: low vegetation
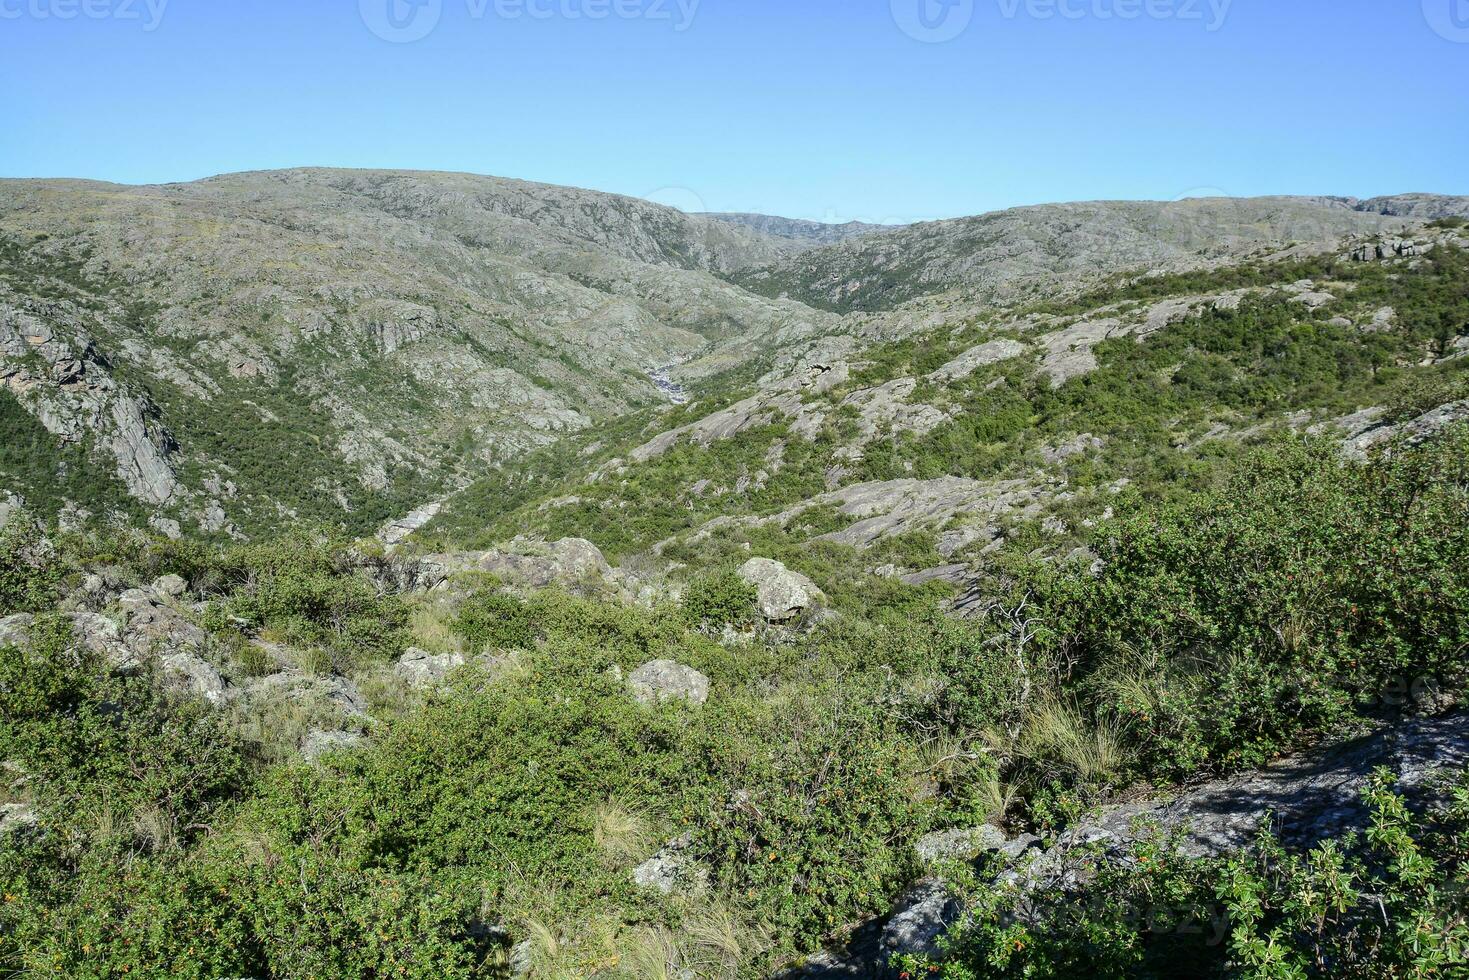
510 805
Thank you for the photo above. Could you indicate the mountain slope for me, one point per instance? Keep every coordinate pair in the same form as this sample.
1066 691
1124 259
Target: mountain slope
412 326
808 233
1009 255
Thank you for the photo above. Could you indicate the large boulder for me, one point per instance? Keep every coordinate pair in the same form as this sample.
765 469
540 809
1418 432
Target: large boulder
781 593
664 680
423 669
194 676
152 627
170 586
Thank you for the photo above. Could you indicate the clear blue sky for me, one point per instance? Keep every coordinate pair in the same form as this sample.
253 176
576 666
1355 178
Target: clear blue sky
812 108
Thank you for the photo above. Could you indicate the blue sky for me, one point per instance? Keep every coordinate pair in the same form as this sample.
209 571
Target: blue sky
827 109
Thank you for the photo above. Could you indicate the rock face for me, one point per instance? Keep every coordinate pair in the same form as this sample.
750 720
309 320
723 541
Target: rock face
1365 431
781 594
664 680
977 357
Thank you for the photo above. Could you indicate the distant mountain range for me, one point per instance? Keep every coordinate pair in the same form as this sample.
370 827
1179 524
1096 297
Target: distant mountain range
393 334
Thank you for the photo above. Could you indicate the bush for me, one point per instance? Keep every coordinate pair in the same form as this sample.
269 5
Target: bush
493 620
29 570
722 598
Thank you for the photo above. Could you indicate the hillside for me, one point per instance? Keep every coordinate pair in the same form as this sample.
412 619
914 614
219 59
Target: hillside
389 333
1001 597
1018 254
393 334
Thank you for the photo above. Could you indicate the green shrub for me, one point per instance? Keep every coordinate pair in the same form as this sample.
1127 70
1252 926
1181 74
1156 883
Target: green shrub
490 620
719 599
29 570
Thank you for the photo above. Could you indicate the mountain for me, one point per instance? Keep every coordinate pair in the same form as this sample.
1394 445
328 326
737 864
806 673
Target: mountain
437 576
394 333
389 333
1010 255
810 233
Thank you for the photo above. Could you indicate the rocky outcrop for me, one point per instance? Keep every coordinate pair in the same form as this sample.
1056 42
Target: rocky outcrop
53 368
92 632
569 562
395 532
1305 800
975 358
781 399
964 844
781 594
668 680
893 507
1366 431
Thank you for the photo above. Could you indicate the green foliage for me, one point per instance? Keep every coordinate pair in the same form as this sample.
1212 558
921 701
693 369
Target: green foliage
1307 587
29 571
491 620
49 472
720 598
1391 908
308 593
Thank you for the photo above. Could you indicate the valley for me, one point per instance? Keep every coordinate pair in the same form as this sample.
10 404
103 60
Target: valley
432 575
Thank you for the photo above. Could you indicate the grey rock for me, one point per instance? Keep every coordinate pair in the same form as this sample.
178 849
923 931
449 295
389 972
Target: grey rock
781 594
975 358
923 914
16 817
664 680
170 586
92 632
423 669
194 676
672 870
318 744
962 844
152 628
1305 799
